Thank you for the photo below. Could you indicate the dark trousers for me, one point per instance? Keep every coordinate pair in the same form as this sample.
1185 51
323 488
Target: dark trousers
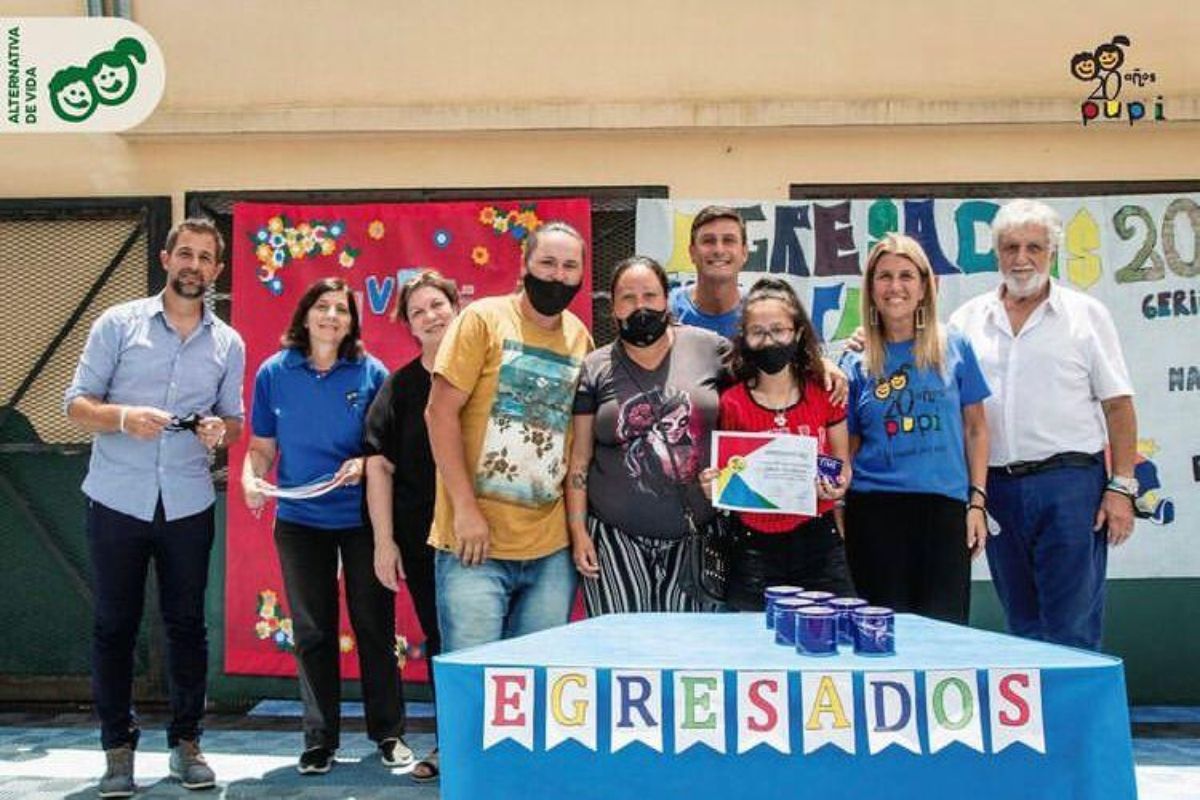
1047 562
411 532
909 552
309 559
811 555
121 549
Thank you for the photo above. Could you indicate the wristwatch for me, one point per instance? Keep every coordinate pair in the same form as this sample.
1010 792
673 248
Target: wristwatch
1122 485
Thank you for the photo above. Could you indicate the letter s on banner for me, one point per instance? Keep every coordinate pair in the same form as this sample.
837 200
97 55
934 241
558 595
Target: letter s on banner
1016 701
762 711
508 706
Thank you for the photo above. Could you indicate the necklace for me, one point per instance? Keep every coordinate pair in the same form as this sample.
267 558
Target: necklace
780 412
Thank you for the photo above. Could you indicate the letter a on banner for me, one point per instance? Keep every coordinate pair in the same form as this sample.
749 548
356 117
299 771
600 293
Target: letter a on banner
762 711
570 706
508 706
891 703
700 710
827 705
1016 700
952 709
636 702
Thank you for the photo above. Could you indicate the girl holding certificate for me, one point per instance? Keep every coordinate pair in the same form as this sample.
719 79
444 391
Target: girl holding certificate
780 378
310 399
919 437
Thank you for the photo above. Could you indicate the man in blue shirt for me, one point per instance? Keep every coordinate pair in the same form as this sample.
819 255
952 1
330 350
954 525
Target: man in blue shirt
719 251
159 385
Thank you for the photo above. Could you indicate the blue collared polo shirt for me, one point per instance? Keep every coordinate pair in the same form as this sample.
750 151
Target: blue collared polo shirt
316 420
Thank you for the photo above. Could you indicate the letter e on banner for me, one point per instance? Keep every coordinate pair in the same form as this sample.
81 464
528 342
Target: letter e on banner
636 702
952 709
508 706
1016 700
827 708
891 705
762 711
700 709
570 706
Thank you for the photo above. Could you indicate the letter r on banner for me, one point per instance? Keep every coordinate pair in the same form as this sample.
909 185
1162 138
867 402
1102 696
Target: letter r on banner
571 706
636 703
508 706
1016 701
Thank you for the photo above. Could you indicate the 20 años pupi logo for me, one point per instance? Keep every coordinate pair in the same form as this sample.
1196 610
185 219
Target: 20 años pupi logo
78 74
1105 69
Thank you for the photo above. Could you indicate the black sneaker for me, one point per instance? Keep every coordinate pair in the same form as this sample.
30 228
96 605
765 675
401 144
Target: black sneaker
316 761
395 752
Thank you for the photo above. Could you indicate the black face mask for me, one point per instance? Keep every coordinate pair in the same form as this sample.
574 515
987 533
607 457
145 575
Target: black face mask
643 327
549 298
772 358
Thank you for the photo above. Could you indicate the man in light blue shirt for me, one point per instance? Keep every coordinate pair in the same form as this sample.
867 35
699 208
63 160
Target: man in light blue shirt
159 385
719 250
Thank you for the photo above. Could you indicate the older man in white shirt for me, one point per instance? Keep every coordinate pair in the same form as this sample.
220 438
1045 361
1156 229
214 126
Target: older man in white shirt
1060 393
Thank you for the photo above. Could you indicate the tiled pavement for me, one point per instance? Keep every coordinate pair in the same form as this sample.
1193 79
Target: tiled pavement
56 757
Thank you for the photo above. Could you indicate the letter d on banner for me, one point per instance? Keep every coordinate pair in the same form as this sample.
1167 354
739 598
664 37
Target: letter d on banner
1016 700
570 706
891 703
508 706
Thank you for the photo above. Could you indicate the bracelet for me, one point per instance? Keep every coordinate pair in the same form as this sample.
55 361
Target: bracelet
121 419
1121 490
977 507
979 491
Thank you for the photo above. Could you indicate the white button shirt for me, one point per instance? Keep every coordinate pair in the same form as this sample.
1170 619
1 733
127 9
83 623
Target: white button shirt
1048 380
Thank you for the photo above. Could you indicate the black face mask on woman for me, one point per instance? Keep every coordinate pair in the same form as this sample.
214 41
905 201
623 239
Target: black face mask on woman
548 297
773 358
643 327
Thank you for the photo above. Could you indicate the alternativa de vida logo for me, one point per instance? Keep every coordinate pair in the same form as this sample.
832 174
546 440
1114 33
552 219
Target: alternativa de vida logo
1103 68
78 74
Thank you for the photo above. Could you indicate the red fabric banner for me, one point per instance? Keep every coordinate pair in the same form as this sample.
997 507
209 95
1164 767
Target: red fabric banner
276 253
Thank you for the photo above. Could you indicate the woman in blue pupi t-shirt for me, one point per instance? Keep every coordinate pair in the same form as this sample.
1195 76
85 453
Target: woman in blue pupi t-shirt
310 400
915 511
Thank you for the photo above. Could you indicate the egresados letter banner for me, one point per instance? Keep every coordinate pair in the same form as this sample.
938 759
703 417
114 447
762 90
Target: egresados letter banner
276 253
1137 254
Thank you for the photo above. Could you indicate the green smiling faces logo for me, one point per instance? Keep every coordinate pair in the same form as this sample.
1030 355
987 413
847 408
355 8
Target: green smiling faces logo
110 78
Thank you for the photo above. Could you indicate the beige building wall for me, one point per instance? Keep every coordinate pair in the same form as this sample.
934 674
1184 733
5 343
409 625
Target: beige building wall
706 98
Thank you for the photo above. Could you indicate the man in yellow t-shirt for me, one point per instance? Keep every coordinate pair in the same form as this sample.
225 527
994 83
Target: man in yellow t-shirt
499 418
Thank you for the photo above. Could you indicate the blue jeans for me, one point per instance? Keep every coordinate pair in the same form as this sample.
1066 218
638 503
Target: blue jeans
500 598
121 549
1047 563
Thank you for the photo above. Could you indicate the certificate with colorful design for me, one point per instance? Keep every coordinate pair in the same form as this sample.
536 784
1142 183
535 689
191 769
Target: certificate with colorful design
765 472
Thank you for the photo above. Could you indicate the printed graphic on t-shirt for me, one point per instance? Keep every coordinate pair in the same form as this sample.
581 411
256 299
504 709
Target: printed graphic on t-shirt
523 456
908 409
663 442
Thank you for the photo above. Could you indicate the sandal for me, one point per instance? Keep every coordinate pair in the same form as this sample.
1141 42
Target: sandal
426 770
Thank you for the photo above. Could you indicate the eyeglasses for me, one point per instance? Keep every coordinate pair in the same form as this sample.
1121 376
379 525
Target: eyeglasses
779 335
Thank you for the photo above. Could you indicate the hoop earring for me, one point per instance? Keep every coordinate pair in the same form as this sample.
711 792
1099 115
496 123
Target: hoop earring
920 318
873 318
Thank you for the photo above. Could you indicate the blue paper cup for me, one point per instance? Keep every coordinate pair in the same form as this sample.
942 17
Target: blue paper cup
874 631
829 468
816 631
820 598
773 593
786 609
844 606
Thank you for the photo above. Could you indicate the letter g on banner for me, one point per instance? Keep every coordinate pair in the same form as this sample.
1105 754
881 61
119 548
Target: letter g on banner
78 74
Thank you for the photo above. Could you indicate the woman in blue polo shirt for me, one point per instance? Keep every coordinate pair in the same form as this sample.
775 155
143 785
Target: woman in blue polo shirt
310 400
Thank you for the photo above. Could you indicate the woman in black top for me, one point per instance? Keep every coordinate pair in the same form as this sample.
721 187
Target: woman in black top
400 468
